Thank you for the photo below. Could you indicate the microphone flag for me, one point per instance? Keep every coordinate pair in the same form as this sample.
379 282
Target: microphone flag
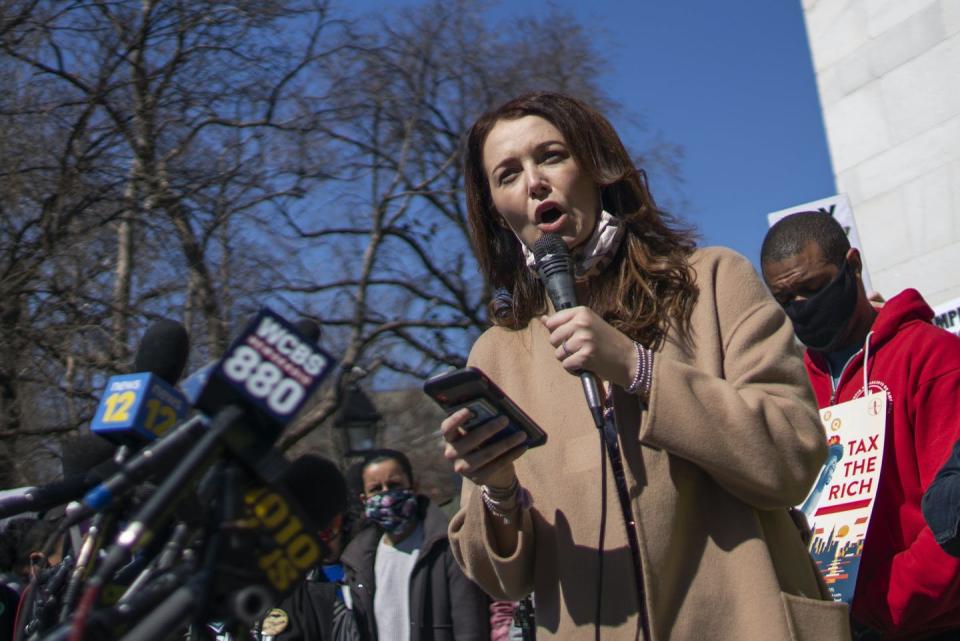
138 408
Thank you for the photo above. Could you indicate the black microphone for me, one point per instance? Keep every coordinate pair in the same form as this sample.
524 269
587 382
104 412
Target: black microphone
89 453
308 329
195 384
110 623
44 497
555 265
163 350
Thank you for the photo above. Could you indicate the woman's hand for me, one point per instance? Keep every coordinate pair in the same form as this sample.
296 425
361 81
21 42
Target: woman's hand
584 341
474 457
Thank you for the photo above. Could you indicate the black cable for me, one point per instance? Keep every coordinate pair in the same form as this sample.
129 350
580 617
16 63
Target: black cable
603 531
609 440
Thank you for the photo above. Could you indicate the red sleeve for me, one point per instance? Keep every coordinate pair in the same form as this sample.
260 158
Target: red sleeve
923 590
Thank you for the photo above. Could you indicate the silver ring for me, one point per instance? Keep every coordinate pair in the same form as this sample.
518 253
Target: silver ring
566 352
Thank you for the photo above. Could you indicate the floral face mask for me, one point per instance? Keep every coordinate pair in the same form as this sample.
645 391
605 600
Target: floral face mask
392 509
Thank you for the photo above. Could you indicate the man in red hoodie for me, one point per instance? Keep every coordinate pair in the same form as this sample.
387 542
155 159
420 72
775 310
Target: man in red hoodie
908 587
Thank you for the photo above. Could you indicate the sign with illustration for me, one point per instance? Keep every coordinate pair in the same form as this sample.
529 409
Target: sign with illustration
839 506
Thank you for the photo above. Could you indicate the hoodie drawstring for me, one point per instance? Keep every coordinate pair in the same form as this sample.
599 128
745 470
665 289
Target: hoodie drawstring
866 362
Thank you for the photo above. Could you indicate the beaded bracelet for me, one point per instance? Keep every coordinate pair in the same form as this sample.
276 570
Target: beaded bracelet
503 493
502 502
643 379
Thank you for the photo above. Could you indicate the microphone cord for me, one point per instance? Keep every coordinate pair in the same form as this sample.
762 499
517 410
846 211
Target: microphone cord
27 596
609 444
600 544
555 266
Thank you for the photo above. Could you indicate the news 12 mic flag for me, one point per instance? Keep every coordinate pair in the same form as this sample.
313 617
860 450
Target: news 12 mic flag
138 408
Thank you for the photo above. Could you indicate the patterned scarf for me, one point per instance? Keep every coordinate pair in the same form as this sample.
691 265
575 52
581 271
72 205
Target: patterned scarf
593 256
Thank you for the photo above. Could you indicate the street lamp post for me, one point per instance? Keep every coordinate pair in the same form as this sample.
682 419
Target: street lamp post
359 420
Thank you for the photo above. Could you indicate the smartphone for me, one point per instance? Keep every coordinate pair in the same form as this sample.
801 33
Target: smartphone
470 388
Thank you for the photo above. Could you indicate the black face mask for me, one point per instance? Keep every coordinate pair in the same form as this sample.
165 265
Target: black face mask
821 320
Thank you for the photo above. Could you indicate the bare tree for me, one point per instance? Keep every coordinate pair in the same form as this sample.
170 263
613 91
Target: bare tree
55 204
193 159
393 272
174 127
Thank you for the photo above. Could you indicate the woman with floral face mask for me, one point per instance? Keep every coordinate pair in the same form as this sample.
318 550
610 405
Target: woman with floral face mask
405 584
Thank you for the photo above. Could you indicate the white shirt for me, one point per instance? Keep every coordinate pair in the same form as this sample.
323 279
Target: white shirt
392 568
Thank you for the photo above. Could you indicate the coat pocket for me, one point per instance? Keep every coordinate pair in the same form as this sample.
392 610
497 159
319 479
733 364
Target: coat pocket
816 619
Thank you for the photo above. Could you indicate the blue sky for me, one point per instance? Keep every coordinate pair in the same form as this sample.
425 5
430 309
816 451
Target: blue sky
731 83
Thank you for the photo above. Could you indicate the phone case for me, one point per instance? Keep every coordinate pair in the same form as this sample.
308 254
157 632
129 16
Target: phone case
469 387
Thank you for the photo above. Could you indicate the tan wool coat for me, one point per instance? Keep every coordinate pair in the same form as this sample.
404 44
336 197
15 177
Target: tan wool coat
730 440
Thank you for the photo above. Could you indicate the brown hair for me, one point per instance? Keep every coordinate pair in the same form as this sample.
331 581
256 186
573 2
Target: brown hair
649 286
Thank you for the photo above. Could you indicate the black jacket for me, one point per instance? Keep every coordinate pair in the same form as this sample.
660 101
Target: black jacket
444 604
309 612
314 613
941 504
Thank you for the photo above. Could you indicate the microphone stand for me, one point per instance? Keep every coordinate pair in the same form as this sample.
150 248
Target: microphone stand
187 603
231 585
164 561
169 494
164 499
48 590
106 623
192 601
92 542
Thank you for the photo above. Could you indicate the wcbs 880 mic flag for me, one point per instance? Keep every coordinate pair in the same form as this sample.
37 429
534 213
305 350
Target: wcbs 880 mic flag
271 369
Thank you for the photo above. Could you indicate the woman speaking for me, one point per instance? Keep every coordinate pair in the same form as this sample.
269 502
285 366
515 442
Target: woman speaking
671 521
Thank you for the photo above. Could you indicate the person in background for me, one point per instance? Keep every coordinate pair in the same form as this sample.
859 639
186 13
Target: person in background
29 537
14 572
907 587
14 564
512 620
405 583
501 620
319 609
706 407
